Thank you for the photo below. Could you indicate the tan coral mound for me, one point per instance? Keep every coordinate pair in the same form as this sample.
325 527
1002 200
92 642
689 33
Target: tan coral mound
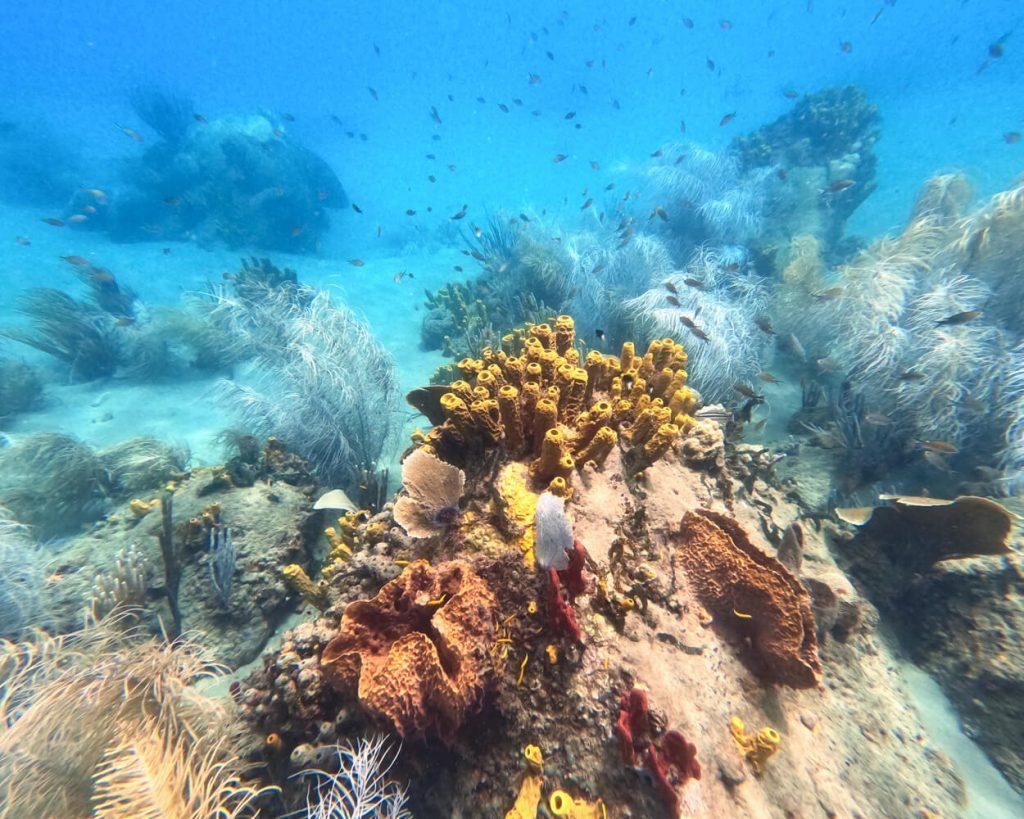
743 586
417 653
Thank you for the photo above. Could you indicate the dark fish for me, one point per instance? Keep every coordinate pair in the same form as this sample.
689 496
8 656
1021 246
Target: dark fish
434 115
746 391
696 284
710 64
658 153
199 118
877 15
911 375
670 287
627 383
21 240
431 156
427 400
525 218
616 106
936 460
599 334
373 92
167 251
517 101
75 261
570 115
550 55
767 377
598 268
727 118
587 204
765 325
828 295
841 185
561 157
942 447
460 214
402 275
356 262
687 22
609 186
1011 137
959 318
173 201
877 419
632 20
688 322
846 46
288 117
725 25
535 79
410 212
356 208
451 168
790 94
481 100
700 333
376 49
672 300
431 178
54 222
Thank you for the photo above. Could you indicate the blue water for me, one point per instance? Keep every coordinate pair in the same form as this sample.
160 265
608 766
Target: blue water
356 82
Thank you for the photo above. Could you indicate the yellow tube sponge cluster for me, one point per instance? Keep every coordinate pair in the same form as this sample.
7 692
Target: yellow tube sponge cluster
757 748
315 593
534 398
528 799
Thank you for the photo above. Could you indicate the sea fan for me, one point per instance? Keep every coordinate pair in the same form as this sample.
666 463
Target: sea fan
360 788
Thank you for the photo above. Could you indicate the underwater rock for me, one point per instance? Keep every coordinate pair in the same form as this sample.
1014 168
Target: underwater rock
416 654
751 593
270 527
20 388
962 621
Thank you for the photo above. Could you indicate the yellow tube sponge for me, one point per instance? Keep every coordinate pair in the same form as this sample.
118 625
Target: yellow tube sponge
599 448
315 593
565 807
565 334
757 748
626 356
545 416
511 419
530 789
549 463
660 442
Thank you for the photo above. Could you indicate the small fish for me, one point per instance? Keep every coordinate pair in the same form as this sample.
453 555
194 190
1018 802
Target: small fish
298 229
78 218
657 154
767 377
598 268
410 212
130 132
627 383
745 390
827 365
200 119
376 49
727 118
596 166
451 168
535 79
89 209
97 194
570 115
688 322
356 262
682 126
550 55
765 325
524 218
700 334
599 334
696 284
877 15
587 204
616 105
402 275
877 419
790 94
21 240
670 287
373 93
434 115
828 295
53 221
846 47
455 217
503 107
710 64
428 401
517 101
687 22
561 158
481 100
1011 137
841 185
356 208
942 447
760 425
672 300
911 375
173 201
959 318
167 251
75 261
792 343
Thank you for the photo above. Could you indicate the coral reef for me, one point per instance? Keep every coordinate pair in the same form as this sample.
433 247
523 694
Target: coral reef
244 181
753 593
140 465
22 603
432 492
411 654
110 722
310 347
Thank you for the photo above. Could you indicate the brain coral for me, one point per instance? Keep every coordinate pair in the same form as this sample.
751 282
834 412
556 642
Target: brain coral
743 586
417 653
